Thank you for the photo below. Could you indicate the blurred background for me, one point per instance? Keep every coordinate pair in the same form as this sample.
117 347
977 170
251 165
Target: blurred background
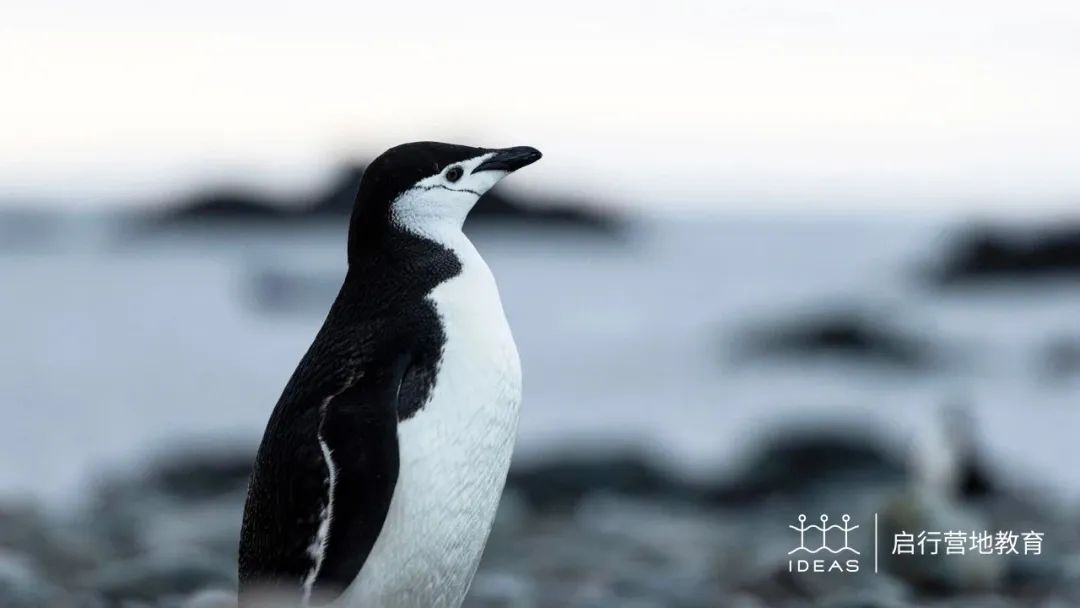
779 258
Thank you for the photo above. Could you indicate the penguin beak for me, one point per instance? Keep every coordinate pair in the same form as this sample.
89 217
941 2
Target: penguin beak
509 159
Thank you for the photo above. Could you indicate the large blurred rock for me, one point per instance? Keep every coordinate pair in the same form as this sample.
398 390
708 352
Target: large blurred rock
22 586
246 206
610 550
788 462
59 548
561 482
989 254
851 336
190 498
164 573
807 460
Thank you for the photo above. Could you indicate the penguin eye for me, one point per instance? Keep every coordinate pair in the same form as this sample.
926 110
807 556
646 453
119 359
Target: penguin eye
454 173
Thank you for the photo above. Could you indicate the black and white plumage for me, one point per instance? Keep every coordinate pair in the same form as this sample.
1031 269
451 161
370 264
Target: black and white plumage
383 462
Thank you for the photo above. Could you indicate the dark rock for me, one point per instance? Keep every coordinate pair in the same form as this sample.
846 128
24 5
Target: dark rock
163 574
988 254
807 459
790 463
22 586
232 205
23 526
59 548
189 500
561 483
587 557
851 336
193 474
335 203
229 206
212 526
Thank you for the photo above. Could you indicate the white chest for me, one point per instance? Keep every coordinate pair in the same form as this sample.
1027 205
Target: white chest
454 454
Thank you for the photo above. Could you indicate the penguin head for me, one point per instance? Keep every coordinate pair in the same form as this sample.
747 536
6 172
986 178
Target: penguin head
428 187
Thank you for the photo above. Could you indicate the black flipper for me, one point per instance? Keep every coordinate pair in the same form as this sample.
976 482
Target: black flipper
359 428
289 491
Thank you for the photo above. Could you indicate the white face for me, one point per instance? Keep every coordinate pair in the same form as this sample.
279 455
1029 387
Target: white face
442 201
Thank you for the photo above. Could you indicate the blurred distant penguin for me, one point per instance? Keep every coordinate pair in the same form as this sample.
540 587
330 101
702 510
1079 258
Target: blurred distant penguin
948 482
382 465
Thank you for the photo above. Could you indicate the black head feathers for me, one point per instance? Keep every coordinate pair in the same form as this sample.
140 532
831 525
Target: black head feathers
427 172
392 173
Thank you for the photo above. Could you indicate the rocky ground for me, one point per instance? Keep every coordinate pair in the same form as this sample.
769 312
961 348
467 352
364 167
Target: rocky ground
596 531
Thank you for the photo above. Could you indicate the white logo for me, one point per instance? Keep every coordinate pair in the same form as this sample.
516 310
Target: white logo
824 528
818 538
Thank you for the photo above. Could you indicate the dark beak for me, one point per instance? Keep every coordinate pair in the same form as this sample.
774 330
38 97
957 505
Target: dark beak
509 159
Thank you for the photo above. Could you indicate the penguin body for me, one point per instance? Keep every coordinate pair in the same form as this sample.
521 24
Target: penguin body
455 454
382 465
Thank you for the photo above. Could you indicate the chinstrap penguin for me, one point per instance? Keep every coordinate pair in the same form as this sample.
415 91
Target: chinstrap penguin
382 465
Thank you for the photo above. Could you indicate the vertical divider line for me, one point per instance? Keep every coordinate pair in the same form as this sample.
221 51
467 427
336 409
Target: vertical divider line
875 543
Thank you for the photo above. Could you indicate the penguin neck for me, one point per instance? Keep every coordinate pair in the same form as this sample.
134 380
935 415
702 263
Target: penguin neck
436 220
368 239
449 239
453 246
405 262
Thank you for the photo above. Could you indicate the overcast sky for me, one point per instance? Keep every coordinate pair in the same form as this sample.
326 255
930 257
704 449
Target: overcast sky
759 103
